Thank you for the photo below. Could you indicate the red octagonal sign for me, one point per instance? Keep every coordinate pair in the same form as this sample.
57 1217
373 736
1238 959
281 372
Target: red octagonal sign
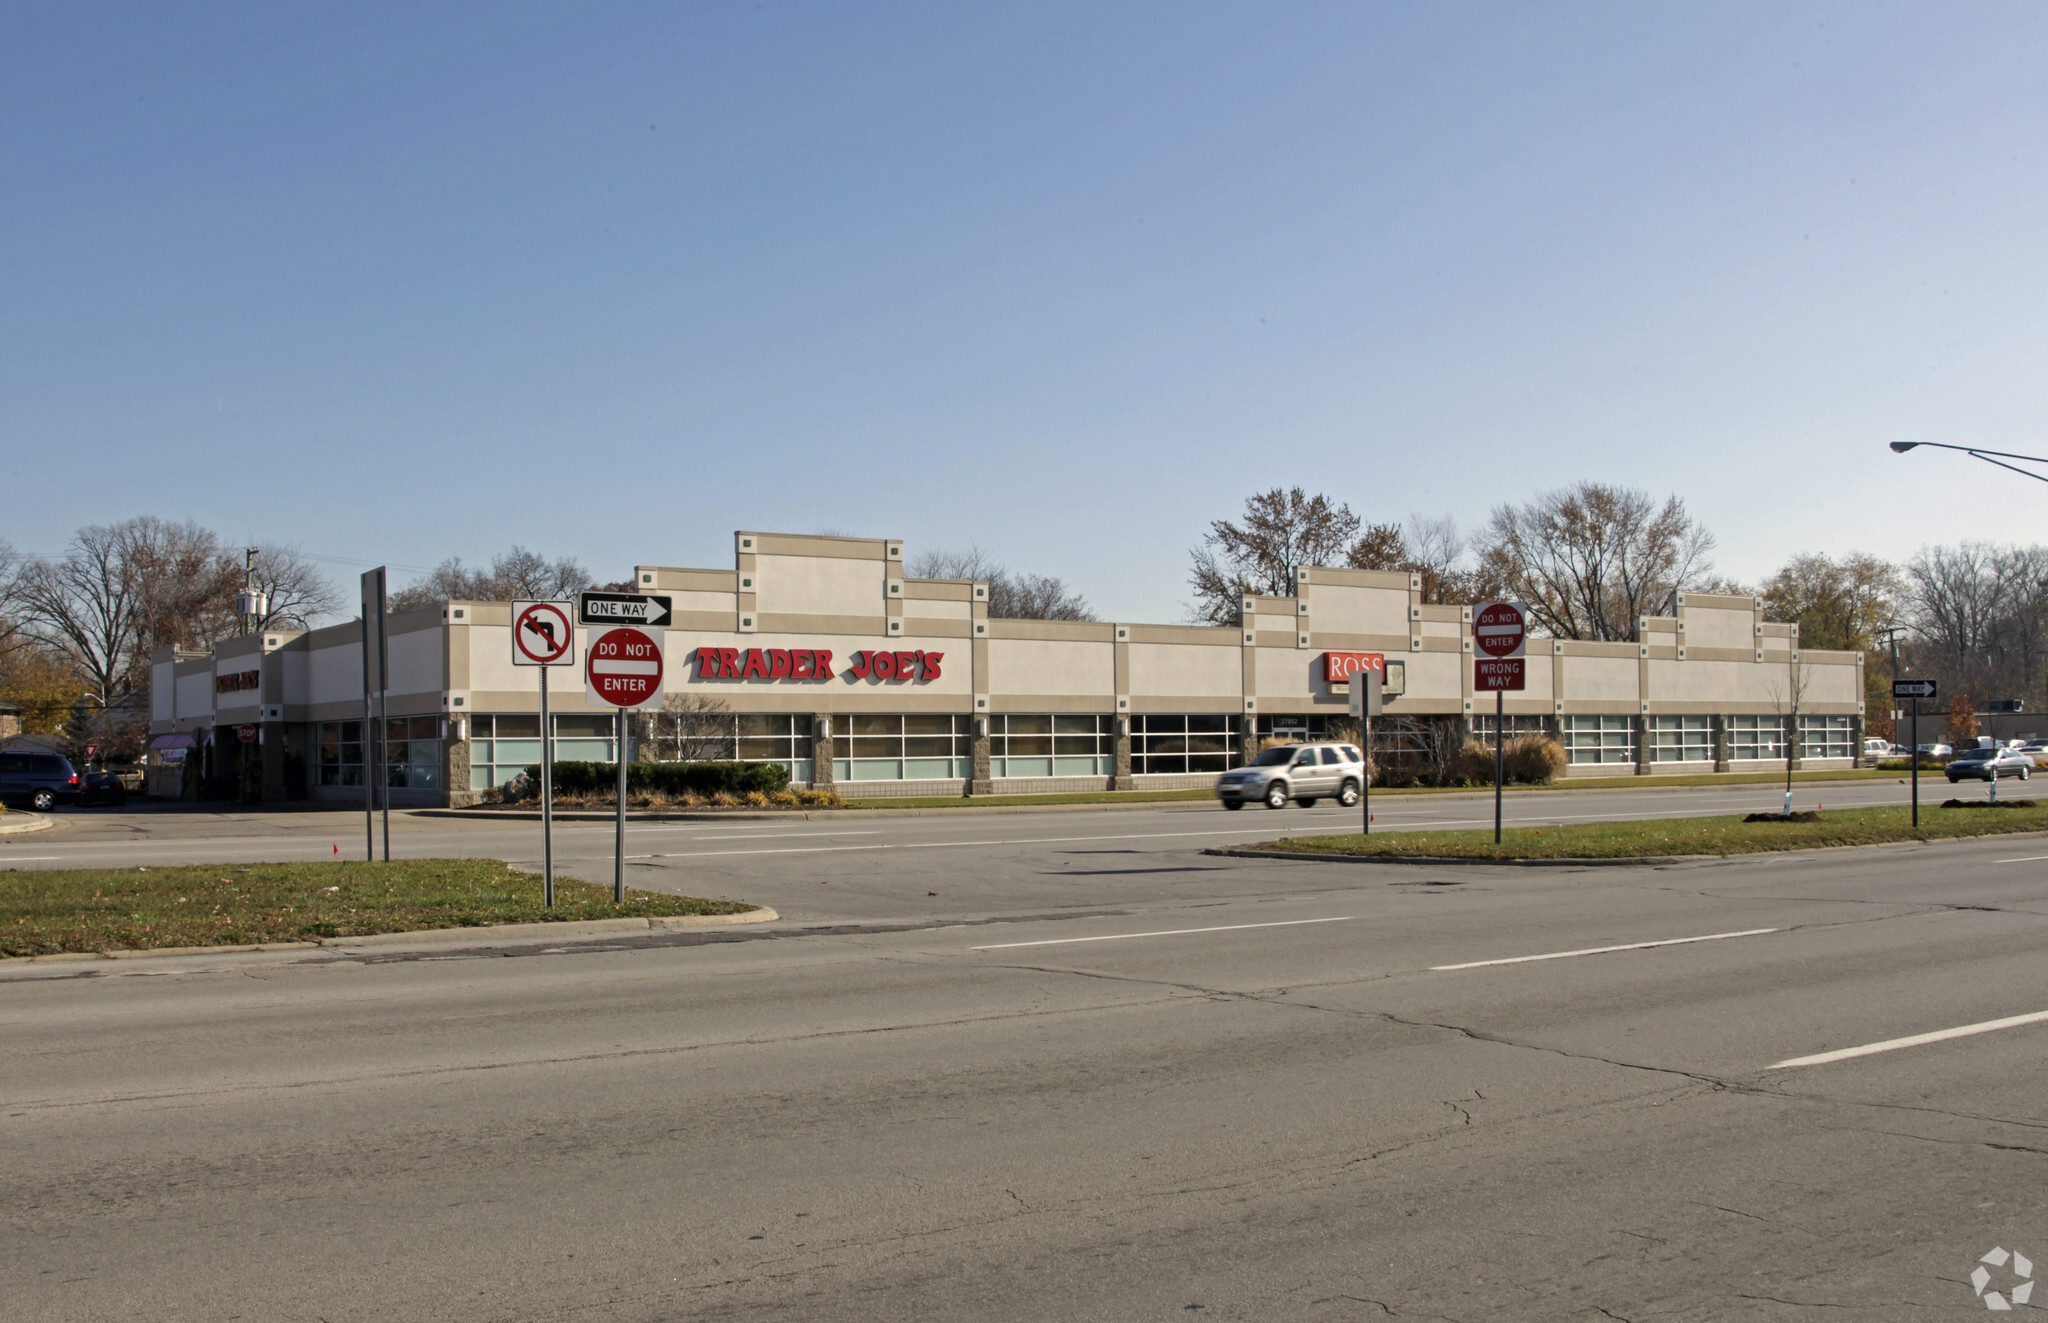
624 667
1501 629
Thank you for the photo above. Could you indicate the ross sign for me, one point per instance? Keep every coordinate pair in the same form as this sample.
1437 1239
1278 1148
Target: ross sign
1501 629
542 634
1913 689
246 734
624 668
1339 667
650 609
235 682
1496 675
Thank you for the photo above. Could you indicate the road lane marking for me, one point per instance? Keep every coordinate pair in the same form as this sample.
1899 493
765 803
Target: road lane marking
1916 1040
777 835
1170 932
1604 950
2030 859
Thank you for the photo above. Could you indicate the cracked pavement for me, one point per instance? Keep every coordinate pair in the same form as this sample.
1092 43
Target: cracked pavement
860 1116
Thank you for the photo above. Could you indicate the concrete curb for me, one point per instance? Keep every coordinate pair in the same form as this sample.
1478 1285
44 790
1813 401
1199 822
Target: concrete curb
15 823
1634 861
485 933
1312 857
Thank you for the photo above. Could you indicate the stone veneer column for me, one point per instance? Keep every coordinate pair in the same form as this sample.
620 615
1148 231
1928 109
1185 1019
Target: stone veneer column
456 792
1121 778
823 744
1720 738
1642 725
981 783
1792 742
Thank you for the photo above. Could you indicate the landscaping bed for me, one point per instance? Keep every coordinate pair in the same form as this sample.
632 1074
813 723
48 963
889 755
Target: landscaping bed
46 911
1724 835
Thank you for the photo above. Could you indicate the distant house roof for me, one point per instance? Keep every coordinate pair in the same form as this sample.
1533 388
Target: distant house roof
6 706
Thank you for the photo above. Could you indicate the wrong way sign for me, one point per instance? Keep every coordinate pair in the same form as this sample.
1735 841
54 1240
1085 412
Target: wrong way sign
624 667
542 634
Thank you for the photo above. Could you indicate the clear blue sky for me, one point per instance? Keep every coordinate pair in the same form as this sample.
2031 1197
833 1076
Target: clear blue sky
397 282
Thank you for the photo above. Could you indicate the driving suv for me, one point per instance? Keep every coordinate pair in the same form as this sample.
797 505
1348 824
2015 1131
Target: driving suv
1303 773
41 780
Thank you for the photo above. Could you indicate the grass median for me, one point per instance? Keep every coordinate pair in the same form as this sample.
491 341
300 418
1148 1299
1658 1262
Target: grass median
48 911
1723 835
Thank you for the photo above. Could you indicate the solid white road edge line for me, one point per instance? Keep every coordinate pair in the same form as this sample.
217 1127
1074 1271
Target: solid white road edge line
1171 932
1603 950
1916 1040
2030 859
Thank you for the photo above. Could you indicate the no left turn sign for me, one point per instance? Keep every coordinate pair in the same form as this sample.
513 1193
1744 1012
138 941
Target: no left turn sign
624 668
542 634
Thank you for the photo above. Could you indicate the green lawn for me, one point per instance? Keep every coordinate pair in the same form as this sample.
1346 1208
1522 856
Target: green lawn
46 911
1679 836
1197 796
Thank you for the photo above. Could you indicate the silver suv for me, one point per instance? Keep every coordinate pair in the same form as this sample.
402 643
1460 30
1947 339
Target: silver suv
1303 773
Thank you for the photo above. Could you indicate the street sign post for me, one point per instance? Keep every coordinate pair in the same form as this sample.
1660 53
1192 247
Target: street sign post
1917 690
624 668
648 609
1500 646
92 753
542 637
376 666
1367 701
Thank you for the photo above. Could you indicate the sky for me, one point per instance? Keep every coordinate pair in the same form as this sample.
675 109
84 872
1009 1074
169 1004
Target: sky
399 282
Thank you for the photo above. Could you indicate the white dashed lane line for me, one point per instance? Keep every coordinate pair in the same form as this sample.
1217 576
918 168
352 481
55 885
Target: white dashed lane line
1915 1040
1604 950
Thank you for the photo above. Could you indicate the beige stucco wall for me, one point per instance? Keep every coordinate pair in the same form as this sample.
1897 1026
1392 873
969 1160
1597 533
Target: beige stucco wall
1714 627
1032 666
819 585
1345 610
1168 669
1600 679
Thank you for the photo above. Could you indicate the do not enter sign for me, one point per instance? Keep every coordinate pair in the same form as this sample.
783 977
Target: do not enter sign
624 667
1501 629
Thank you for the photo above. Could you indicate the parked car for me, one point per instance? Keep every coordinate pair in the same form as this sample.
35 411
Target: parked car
132 775
1935 750
40 780
103 788
1986 764
1876 750
1303 773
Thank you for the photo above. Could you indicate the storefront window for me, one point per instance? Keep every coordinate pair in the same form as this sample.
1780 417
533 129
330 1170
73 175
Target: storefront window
1194 743
1600 739
1681 739
917 747
1756 737
1021 744
1825 737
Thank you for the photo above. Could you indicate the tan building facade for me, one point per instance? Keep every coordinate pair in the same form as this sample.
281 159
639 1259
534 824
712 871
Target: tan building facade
821 654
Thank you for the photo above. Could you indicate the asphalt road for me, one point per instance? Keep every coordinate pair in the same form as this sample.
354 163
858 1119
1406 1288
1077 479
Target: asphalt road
1198 1088
869 866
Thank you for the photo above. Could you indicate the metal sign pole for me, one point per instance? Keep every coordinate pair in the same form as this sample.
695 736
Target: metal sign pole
619 843
1500 703
363 752
1914 759
547 796
1365 779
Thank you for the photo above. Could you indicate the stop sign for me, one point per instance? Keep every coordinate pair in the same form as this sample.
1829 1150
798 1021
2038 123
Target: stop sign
624 667
1501 629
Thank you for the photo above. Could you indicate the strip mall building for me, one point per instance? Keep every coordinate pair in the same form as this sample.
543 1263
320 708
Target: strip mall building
818 653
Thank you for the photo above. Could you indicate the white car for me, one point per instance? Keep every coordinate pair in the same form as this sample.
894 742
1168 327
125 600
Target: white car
1303 773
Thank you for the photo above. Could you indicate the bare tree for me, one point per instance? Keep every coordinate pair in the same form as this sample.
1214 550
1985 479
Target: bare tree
1591 560
1977 612
1011 596
518 574
1281 531
695 727
1788 699
87 604
300 592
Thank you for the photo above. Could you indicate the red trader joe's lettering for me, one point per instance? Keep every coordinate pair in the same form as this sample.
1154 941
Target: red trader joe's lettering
813 664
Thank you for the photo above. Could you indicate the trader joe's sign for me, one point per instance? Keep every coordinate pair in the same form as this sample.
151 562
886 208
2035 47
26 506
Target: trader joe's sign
814 664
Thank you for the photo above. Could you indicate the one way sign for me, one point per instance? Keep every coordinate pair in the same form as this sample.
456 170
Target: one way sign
650 609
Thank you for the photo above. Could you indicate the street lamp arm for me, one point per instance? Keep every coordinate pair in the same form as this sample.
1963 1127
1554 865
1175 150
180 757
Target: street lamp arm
1901 447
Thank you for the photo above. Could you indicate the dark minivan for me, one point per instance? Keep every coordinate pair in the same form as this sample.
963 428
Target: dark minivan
41 780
